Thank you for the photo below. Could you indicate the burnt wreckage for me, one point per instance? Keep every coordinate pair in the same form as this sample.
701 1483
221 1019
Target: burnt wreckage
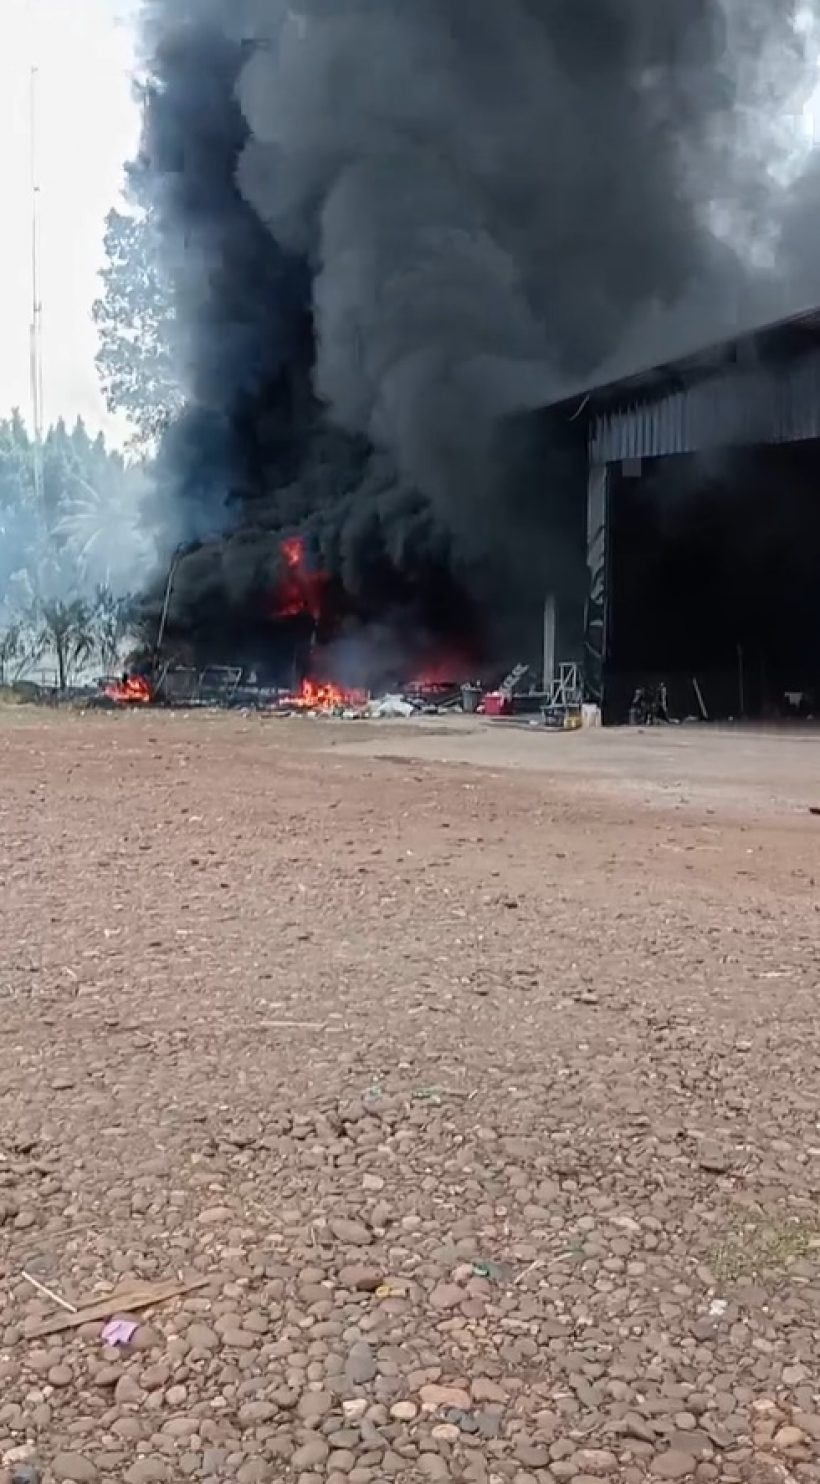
719 451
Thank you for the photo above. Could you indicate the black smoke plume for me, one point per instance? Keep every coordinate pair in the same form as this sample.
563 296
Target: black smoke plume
399 228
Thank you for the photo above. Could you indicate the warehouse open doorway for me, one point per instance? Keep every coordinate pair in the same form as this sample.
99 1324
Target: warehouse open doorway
714 582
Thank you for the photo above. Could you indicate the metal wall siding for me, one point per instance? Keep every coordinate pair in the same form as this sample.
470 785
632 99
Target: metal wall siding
748 407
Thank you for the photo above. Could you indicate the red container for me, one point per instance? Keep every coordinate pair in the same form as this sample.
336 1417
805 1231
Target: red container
497 704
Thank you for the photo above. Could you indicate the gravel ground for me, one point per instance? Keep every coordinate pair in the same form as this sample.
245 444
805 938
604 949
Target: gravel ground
484 1099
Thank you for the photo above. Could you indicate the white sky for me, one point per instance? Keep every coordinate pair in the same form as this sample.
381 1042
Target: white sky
88 126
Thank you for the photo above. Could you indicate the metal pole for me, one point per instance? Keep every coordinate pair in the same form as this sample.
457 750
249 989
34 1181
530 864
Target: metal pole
163 623
550 631
36 328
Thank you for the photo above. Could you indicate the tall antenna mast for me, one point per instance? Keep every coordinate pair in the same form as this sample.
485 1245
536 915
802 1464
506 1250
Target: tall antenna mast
36 330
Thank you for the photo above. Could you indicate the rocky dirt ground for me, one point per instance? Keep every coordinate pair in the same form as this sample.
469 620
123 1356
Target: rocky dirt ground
484 1100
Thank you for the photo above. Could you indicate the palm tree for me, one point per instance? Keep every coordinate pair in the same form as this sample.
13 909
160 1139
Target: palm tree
113 620
66 628
100 524
20 648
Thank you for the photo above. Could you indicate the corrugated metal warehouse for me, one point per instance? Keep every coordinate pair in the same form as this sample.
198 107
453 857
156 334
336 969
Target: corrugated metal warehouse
696 424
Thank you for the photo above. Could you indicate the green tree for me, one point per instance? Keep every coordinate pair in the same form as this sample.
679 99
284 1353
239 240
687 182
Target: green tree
112 620
87 533
66 628
134 317
20 649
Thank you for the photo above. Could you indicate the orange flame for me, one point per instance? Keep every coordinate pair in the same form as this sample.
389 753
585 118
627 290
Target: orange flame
323 695
300 589
134 690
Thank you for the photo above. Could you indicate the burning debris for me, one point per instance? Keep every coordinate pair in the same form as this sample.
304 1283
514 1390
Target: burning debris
131 690
302 590
323 695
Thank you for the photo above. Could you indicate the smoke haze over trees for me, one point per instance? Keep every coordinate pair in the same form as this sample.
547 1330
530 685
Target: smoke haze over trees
86 531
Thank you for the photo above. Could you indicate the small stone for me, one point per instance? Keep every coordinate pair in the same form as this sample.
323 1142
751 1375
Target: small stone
597 1462
360 1279
438 1398
127 1427
789 1437
355 1408
152 1378
239 1339
673 1465
147 1338
635 1426
255 1471
147 1471
488 1391
60 1375
447 1296
127 1393
446 1432
433 1467
404 1411
285 1398
251 1413
215 1215
341 1462
201 1337
351 1233
314 1404
312 1455
697 1442
532 1455
74 1468
712 1159
373 1183
361 1367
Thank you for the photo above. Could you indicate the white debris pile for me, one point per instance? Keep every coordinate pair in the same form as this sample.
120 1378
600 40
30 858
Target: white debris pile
393 706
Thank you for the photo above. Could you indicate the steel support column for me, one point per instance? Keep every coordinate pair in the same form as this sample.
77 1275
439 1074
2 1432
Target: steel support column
595 643
550 639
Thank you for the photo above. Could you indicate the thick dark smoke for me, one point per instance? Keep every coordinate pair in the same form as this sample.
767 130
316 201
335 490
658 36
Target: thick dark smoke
398 228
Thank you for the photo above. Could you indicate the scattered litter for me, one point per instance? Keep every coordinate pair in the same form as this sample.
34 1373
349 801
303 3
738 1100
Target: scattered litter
120 1331
435 1094
539 1262
718 1308
386 1291
49 1293
496 1272
122 1300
